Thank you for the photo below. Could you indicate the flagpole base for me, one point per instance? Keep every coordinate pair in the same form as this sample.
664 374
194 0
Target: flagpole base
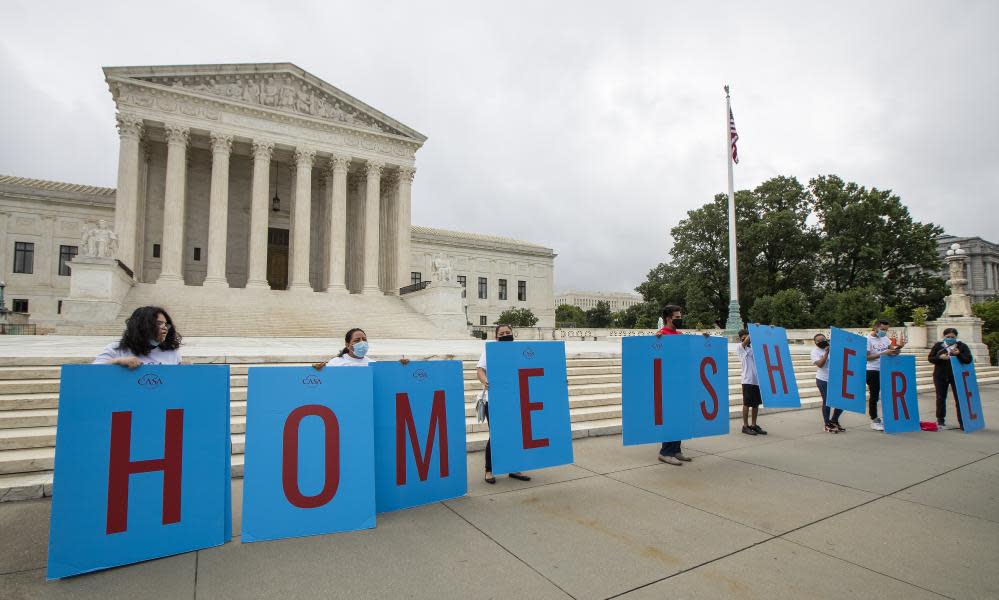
734 322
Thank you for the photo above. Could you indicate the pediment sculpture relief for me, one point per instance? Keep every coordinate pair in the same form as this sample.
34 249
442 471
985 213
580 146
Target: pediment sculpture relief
278 91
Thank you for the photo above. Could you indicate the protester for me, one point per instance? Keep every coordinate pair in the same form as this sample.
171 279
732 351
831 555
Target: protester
503 333
149 339
353 354
672 316
943 375
878 345
751 398
820 358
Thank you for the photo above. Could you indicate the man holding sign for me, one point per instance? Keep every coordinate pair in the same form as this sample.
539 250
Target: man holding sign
943 376
878 345
670 453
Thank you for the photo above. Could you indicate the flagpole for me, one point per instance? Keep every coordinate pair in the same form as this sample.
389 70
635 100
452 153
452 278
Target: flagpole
734 322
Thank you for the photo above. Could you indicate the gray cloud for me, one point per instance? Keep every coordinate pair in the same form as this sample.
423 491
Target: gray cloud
588 127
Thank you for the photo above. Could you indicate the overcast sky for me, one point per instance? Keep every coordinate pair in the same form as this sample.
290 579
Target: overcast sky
589 127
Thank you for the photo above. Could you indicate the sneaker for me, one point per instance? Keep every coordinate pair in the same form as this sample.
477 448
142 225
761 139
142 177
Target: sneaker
941 425
759 430
669 460
839 428
748 430
683 457
877 426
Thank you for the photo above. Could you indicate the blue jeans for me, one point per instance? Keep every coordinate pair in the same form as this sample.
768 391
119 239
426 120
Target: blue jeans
670 449
823 387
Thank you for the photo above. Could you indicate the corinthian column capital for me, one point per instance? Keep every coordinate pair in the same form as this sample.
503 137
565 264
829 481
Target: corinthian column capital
221 143
129 126
304 157
262 149
374 168
177 134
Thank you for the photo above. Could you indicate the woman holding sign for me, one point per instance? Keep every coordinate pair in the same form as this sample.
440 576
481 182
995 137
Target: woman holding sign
504 333
354 353
149 339
943 375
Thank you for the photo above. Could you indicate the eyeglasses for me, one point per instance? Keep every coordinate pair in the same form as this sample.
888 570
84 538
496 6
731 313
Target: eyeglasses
164 325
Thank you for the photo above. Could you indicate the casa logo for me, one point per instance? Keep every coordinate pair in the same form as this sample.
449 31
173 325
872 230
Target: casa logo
528 353
312 380
657 345
150 380
420 375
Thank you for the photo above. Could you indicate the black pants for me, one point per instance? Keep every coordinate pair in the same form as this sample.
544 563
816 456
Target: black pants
942 384
489 453
874 385
670 448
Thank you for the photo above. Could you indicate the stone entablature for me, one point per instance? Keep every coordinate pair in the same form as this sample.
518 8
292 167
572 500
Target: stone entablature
587 300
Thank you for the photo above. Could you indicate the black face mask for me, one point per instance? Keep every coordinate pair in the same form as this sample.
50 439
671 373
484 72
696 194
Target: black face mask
677 323
505 338
823 344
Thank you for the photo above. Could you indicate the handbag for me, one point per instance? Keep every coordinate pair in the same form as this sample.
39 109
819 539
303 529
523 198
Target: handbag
480 406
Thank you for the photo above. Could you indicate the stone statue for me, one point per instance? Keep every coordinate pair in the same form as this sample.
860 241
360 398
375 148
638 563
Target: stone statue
100 241
441 268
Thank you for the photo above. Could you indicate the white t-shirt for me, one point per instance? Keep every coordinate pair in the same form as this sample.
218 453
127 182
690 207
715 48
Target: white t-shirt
822 372
155 356
349 361
482 362
879 345
745 354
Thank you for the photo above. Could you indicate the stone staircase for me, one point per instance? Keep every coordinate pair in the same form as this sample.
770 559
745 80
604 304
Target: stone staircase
240 312
29 399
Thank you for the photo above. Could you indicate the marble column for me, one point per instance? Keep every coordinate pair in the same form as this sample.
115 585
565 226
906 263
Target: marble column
173 205
48 258
259 215
403 206
301 217
4 219
126 208
388 229
218 211
371 224
336 189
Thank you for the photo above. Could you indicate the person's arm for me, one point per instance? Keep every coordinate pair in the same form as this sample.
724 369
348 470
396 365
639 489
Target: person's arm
822 361
963 353
130 362
937 354
481 374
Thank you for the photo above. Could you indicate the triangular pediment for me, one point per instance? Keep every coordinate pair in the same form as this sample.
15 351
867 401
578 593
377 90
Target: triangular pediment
273 86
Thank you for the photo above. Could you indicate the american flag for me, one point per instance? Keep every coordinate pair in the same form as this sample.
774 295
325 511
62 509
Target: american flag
734 135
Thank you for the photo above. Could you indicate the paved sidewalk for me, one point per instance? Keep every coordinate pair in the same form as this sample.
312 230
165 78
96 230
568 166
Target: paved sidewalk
796 514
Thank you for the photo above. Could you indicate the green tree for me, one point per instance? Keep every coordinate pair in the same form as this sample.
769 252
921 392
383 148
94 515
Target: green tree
517 317
850 308
869 239
989 313
599 316
786 308
638 316
569 315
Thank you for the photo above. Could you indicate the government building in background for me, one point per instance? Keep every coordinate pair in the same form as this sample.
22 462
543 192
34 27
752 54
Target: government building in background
256 199
587 300
982 266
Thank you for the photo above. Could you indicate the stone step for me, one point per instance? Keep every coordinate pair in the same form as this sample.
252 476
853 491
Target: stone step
29 372
27 437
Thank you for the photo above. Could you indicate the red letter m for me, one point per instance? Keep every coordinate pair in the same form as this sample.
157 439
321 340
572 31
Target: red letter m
404 424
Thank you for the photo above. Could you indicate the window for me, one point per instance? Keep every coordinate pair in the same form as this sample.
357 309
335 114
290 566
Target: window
156 250
197 254
483 288
415 277
464 284
522 291
483 320
22 306
66 254
502 289
24 257
59 307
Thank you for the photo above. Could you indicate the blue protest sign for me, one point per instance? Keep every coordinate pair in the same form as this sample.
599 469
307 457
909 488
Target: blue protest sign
898 394
309 466
774 369
528 405
847 371
140 465
969 401
674 387
419 416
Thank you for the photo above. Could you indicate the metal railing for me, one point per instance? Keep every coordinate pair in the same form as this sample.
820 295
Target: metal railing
414 287
18 329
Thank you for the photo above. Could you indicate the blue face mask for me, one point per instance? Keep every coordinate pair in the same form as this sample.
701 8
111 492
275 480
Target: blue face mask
881 333
950 341
360 349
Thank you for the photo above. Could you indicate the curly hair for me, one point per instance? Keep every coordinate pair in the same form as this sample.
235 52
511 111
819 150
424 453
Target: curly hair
346 340
141 327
